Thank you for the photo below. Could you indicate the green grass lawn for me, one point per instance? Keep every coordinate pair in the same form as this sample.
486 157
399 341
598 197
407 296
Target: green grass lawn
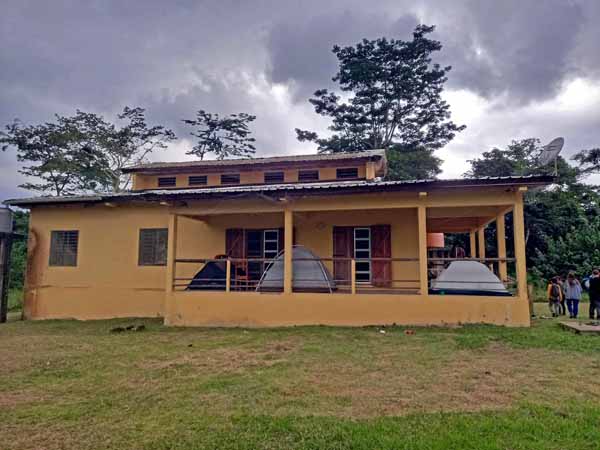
75 385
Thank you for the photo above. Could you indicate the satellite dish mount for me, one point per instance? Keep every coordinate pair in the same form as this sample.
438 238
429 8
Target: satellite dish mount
550 153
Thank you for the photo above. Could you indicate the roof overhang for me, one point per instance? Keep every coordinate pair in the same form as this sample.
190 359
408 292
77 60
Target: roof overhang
295 189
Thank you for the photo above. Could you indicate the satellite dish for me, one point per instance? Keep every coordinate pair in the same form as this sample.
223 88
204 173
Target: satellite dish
549 153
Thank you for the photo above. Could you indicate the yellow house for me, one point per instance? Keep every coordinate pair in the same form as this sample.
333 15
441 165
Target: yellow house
296 240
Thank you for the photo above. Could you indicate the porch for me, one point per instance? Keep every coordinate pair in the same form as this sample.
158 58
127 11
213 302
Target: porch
375 261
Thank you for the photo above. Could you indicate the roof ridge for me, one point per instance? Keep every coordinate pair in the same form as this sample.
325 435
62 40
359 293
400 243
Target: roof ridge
260 160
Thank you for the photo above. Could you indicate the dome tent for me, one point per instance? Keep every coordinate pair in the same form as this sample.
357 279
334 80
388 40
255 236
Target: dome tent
309 273
468 278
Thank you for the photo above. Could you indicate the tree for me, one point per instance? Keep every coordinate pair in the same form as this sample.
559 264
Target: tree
58 154
520 158
18 256
84 152
225 137
411 163
394 102
577 250
129 144
550 213
589 160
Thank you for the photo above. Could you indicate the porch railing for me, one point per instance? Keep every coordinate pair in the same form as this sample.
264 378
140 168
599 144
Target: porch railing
332 275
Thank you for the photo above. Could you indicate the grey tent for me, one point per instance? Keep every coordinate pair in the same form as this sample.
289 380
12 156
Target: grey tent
309 273
468 278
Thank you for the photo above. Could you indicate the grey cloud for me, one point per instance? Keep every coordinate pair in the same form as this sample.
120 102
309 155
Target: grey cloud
301 50
176 57
523 48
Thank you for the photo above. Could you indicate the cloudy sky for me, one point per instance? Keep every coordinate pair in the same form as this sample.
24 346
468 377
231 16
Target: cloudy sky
521 68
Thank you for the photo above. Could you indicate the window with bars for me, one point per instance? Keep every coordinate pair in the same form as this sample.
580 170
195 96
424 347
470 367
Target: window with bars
167 181
153 247
63 248
273 177
347 173
197 180
308 175
230 178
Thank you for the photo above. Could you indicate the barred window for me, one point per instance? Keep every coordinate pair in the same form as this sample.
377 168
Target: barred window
350 172
308 175
153 247
273 177
167 181
63 248
230 178
197 180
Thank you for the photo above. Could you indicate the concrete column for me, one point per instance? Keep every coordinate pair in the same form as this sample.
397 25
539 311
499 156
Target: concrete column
171 252
370 170
170 275
423 278
519 231
472 244
288 217
481 242
501 242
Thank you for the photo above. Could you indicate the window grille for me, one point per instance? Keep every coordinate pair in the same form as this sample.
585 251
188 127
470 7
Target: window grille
273 177
63 248
153 247
308 175
197 180
230 178
347 173
167 181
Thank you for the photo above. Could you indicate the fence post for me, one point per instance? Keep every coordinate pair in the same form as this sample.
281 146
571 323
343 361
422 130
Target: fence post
228 276
353 276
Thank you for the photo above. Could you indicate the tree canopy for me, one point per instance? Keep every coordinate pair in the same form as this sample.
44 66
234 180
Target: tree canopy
83 152
589 160
224 137
551 213
391 99
58 157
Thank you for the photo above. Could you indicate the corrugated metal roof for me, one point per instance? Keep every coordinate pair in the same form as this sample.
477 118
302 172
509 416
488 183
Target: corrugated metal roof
258 161
350 186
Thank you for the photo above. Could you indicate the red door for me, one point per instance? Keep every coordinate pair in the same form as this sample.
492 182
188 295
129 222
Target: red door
343 246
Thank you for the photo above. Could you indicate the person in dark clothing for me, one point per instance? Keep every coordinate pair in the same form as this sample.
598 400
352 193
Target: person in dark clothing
595 295
563 306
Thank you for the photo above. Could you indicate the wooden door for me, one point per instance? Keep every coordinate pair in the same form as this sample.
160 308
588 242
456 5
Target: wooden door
342 248
381 247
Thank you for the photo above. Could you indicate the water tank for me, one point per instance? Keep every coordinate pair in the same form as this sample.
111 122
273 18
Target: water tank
435 240
6 220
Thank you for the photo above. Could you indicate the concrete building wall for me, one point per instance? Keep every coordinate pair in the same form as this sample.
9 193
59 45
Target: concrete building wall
142 181
108 282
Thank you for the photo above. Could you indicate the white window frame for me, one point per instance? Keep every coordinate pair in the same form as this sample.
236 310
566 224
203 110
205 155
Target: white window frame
368 249
276 241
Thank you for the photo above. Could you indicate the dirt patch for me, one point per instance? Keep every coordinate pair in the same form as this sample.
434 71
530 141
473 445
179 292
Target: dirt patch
492 378
13 399
230 360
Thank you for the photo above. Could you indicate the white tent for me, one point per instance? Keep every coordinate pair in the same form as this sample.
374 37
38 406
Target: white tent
468 278
309 273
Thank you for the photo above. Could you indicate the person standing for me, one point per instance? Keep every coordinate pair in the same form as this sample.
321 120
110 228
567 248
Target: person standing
573 295
563 286
555 296
594 290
